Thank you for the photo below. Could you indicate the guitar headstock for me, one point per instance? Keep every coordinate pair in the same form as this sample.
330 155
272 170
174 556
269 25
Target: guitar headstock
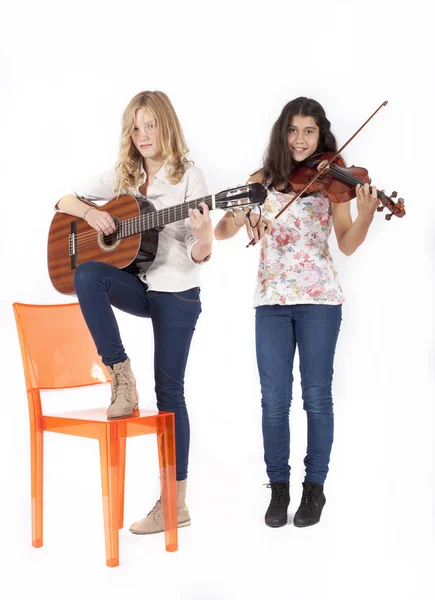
249 195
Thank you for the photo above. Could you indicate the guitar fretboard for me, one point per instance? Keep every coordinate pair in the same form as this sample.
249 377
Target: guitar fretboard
159 218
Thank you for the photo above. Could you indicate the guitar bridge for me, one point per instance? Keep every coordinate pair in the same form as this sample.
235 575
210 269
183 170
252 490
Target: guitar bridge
72 241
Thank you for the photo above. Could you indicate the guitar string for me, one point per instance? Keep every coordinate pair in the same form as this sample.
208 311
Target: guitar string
129 224
91 238
127 228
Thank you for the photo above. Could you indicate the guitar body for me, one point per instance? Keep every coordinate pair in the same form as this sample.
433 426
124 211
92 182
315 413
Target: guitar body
64 255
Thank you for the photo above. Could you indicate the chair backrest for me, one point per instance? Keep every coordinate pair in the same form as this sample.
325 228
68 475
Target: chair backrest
56 347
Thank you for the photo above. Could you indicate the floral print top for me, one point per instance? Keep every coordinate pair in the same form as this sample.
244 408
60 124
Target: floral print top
295 264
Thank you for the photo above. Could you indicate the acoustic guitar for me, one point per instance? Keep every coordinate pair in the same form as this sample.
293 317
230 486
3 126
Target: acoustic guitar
71 241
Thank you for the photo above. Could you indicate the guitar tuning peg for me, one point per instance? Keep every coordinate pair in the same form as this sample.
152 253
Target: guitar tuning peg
401 201
388 217
380 208
394 194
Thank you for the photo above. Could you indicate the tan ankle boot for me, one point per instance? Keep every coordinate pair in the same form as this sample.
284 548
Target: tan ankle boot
153 522
124 398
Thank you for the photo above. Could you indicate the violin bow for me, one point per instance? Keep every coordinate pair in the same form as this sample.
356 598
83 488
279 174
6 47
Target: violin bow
323 169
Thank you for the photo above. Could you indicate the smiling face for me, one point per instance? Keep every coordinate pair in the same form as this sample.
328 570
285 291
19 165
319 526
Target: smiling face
145 135
302 137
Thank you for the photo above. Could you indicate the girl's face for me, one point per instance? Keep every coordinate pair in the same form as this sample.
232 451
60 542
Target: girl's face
302 137
145 134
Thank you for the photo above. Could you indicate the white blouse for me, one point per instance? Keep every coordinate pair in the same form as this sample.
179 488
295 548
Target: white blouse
173 269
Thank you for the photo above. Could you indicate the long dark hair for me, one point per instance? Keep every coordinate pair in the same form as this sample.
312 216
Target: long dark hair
278 163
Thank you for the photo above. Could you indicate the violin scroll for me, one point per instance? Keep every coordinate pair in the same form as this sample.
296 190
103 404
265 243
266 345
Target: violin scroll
397 208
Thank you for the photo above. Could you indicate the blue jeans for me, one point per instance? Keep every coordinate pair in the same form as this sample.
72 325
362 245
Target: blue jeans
173 315
313 328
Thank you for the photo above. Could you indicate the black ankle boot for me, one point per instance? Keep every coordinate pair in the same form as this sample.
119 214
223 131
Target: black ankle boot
276 515
312 503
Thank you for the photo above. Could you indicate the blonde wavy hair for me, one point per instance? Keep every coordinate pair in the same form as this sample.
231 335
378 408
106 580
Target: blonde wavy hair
171 141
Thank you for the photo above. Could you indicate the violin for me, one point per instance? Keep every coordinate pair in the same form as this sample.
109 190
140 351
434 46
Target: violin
327 172
339 182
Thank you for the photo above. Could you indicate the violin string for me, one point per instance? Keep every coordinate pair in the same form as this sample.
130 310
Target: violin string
347 178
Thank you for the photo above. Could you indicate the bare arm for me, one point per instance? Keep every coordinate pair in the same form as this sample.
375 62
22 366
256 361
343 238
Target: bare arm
350 235
228 226
71 205
100 220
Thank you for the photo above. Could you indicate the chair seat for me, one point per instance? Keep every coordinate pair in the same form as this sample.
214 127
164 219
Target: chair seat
93 423
98 415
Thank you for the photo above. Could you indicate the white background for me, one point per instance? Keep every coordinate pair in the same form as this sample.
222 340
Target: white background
68 69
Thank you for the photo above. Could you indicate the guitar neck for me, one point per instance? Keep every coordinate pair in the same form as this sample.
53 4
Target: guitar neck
160 218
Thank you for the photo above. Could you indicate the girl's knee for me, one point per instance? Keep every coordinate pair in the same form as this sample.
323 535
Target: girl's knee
318 403
275 406
85 273
169 401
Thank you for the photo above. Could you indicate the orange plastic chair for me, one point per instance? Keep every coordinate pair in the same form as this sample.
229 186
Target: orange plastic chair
58 353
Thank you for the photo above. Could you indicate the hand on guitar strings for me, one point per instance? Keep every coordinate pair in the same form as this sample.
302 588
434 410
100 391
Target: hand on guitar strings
100 220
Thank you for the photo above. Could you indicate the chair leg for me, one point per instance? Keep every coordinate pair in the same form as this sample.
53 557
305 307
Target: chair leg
37 478
122 451
109 462
166 450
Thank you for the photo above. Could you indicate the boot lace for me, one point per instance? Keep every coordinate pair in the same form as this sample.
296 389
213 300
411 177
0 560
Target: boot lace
277 494
120 385
308 498
157 509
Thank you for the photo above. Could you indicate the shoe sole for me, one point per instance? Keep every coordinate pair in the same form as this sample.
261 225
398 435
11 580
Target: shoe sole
276 526
113 417
302 524
306 524
183 524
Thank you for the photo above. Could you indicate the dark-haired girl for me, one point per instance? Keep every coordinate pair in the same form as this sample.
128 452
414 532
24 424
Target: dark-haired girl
298 302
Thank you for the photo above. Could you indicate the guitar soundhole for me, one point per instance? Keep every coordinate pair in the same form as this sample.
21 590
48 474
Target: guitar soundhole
110 242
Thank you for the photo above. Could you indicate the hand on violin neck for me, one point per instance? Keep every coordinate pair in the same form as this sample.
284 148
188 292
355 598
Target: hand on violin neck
367 201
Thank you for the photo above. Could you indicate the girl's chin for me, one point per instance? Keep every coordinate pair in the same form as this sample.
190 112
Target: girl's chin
150 153
301 157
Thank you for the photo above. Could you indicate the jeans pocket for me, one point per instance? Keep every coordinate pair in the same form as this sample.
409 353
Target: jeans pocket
191 295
